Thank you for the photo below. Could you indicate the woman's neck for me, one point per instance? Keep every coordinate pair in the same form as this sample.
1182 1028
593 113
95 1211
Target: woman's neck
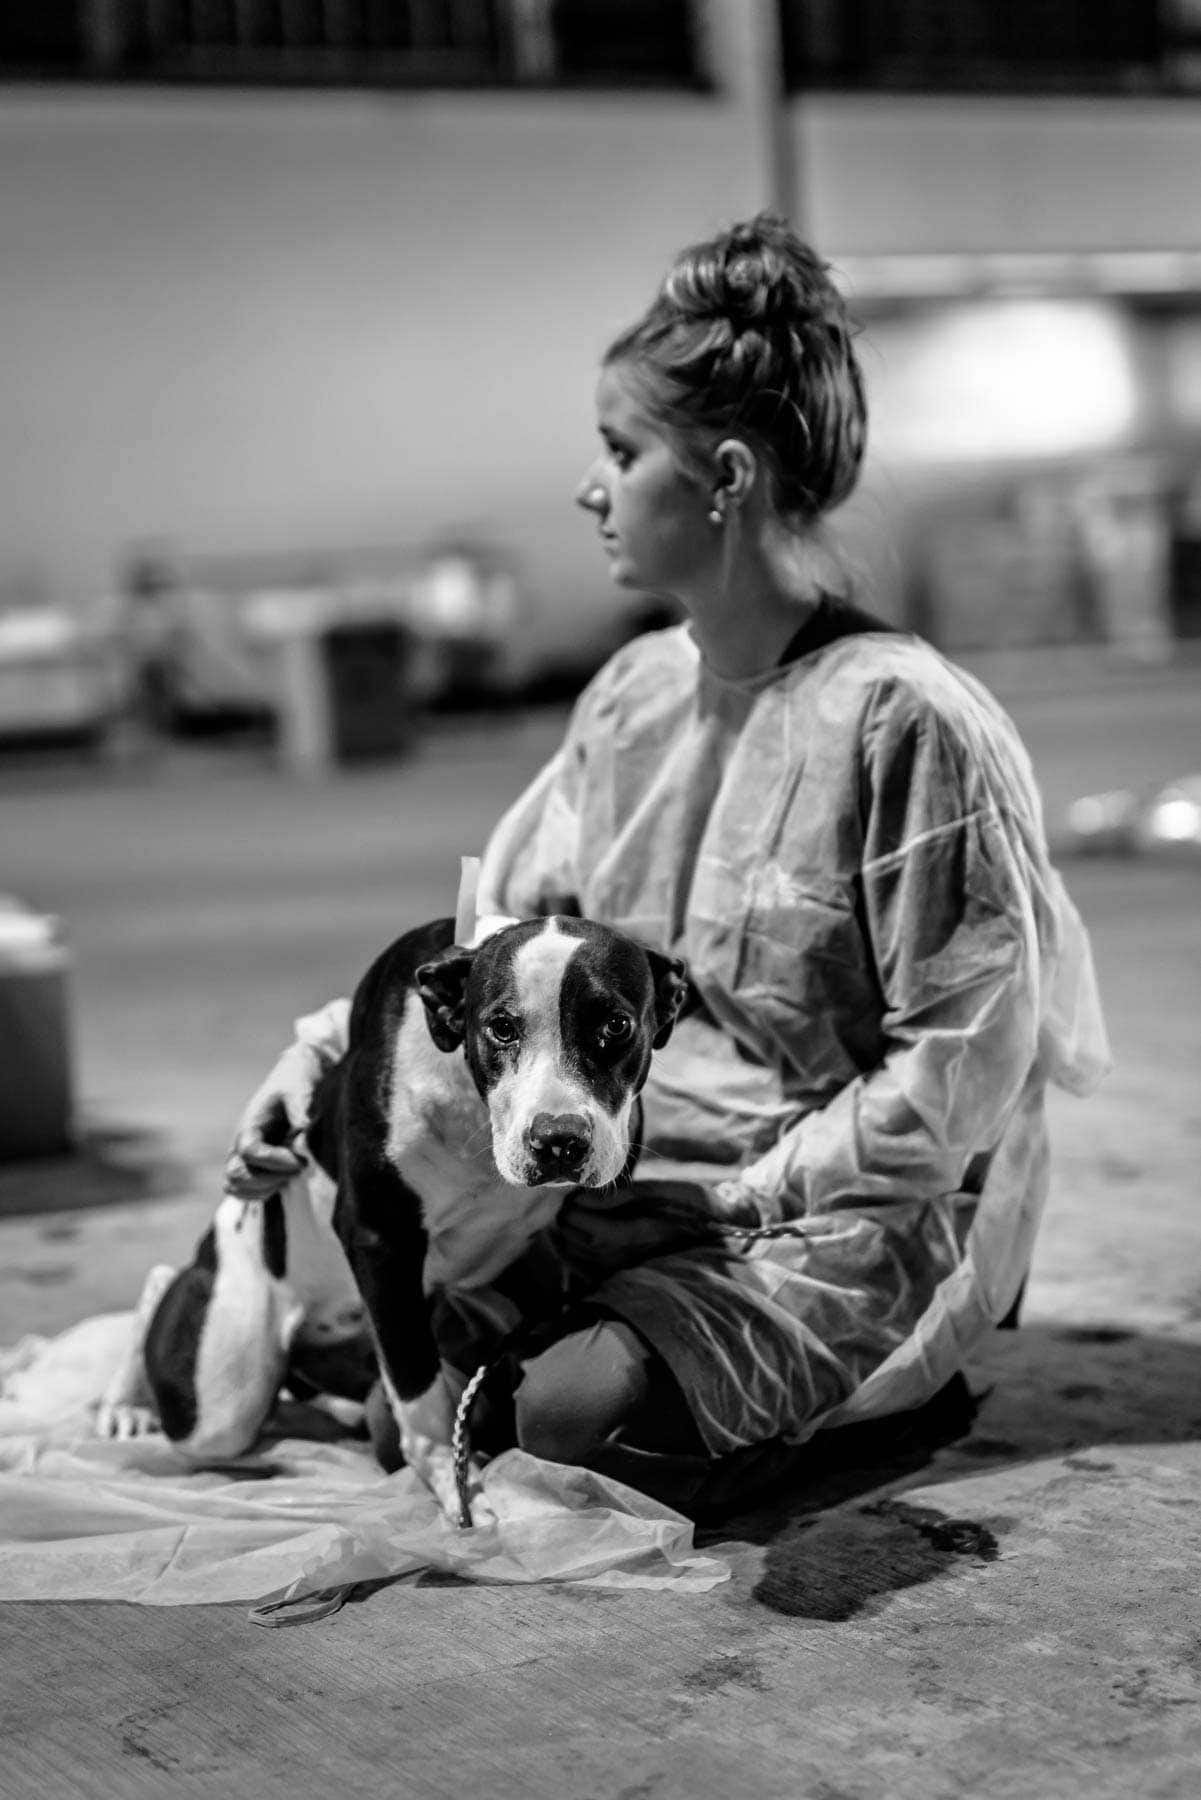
745 618
737 648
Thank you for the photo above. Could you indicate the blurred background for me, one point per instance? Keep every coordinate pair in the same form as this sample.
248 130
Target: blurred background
302 304
303 299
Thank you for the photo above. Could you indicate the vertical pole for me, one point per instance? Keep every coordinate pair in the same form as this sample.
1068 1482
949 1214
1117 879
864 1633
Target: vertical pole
531 40
745 53
106 35
306 725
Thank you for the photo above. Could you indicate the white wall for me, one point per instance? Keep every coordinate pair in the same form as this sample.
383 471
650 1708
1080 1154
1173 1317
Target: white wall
915 172
252 324
269 322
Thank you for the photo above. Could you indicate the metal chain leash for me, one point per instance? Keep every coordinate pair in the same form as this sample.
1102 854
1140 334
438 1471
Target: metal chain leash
460 1442
751 1234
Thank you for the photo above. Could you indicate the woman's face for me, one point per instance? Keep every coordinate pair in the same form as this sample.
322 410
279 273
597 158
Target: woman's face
652 513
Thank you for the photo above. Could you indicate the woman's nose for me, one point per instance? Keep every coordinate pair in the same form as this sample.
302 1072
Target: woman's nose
591 495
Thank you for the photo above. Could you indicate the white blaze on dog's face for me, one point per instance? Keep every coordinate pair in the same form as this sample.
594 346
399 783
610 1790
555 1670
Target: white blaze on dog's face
548 1123
559 1017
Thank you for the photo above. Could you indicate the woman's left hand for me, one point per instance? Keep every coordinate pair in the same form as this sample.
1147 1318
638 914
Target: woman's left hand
733 1205
599 1231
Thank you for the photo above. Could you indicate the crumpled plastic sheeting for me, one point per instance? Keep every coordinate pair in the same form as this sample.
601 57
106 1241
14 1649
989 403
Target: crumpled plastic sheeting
82 1518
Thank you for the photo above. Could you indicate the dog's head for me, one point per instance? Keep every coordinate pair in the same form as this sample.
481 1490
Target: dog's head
558 1018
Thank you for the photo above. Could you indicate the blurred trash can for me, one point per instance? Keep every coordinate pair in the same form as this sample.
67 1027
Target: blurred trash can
35 1060
340 682
465 606
367 665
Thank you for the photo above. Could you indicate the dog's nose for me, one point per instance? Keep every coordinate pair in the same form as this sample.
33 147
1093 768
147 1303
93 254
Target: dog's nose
560 1140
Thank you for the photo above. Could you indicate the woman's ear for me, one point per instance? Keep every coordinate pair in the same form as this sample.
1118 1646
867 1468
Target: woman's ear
737 469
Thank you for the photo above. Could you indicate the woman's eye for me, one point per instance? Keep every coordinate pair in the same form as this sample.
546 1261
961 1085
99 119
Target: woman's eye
502 1030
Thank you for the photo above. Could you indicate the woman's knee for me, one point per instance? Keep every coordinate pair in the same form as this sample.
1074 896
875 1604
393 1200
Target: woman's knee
576 1394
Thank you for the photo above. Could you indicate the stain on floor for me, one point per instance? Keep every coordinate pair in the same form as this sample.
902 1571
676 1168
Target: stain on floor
958 1537
836 1567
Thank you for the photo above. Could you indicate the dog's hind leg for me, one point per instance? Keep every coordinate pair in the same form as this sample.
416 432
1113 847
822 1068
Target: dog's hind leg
218 1344
126 1407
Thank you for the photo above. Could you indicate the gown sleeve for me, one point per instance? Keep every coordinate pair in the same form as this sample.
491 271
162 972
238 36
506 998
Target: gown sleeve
951 885
326 1031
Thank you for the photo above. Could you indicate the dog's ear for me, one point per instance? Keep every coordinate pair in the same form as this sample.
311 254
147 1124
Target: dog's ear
442 985
670 976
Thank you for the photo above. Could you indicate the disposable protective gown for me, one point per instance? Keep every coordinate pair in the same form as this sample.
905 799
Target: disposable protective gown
849 852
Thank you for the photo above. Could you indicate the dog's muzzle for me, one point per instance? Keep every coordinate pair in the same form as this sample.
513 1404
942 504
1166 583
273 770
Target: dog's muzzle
558 1145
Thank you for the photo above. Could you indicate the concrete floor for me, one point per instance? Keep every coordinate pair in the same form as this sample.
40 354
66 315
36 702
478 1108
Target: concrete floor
1049 1644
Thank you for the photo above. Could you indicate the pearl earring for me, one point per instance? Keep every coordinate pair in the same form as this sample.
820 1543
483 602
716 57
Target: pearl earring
716 516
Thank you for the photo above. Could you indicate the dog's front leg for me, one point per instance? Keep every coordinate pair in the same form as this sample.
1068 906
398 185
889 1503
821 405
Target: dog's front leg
426 1428
378 1219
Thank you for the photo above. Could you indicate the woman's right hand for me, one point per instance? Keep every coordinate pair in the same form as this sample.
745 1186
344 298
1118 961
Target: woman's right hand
264 1157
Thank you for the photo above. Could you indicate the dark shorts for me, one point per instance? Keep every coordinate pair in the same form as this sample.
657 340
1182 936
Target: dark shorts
760 1340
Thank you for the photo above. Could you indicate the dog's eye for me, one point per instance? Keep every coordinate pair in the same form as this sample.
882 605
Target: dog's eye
502 1029
617 1029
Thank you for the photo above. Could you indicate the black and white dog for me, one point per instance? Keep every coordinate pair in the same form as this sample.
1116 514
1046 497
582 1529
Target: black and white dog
430 1169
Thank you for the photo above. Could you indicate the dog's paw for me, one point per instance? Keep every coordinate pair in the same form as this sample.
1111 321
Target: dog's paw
483 1513
426 1431
121 1420
436 1466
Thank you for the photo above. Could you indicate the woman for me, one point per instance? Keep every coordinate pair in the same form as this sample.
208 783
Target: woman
842 835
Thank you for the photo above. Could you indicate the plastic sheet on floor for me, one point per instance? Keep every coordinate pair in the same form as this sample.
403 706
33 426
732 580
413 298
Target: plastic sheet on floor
82 1518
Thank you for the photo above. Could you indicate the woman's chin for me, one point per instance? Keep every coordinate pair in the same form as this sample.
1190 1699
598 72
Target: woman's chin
621 574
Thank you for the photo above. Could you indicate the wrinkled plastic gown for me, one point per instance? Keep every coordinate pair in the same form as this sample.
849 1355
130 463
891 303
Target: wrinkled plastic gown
887 972
86 1519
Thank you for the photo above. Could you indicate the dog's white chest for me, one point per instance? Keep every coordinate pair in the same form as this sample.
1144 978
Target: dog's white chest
440 1140
471 1241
